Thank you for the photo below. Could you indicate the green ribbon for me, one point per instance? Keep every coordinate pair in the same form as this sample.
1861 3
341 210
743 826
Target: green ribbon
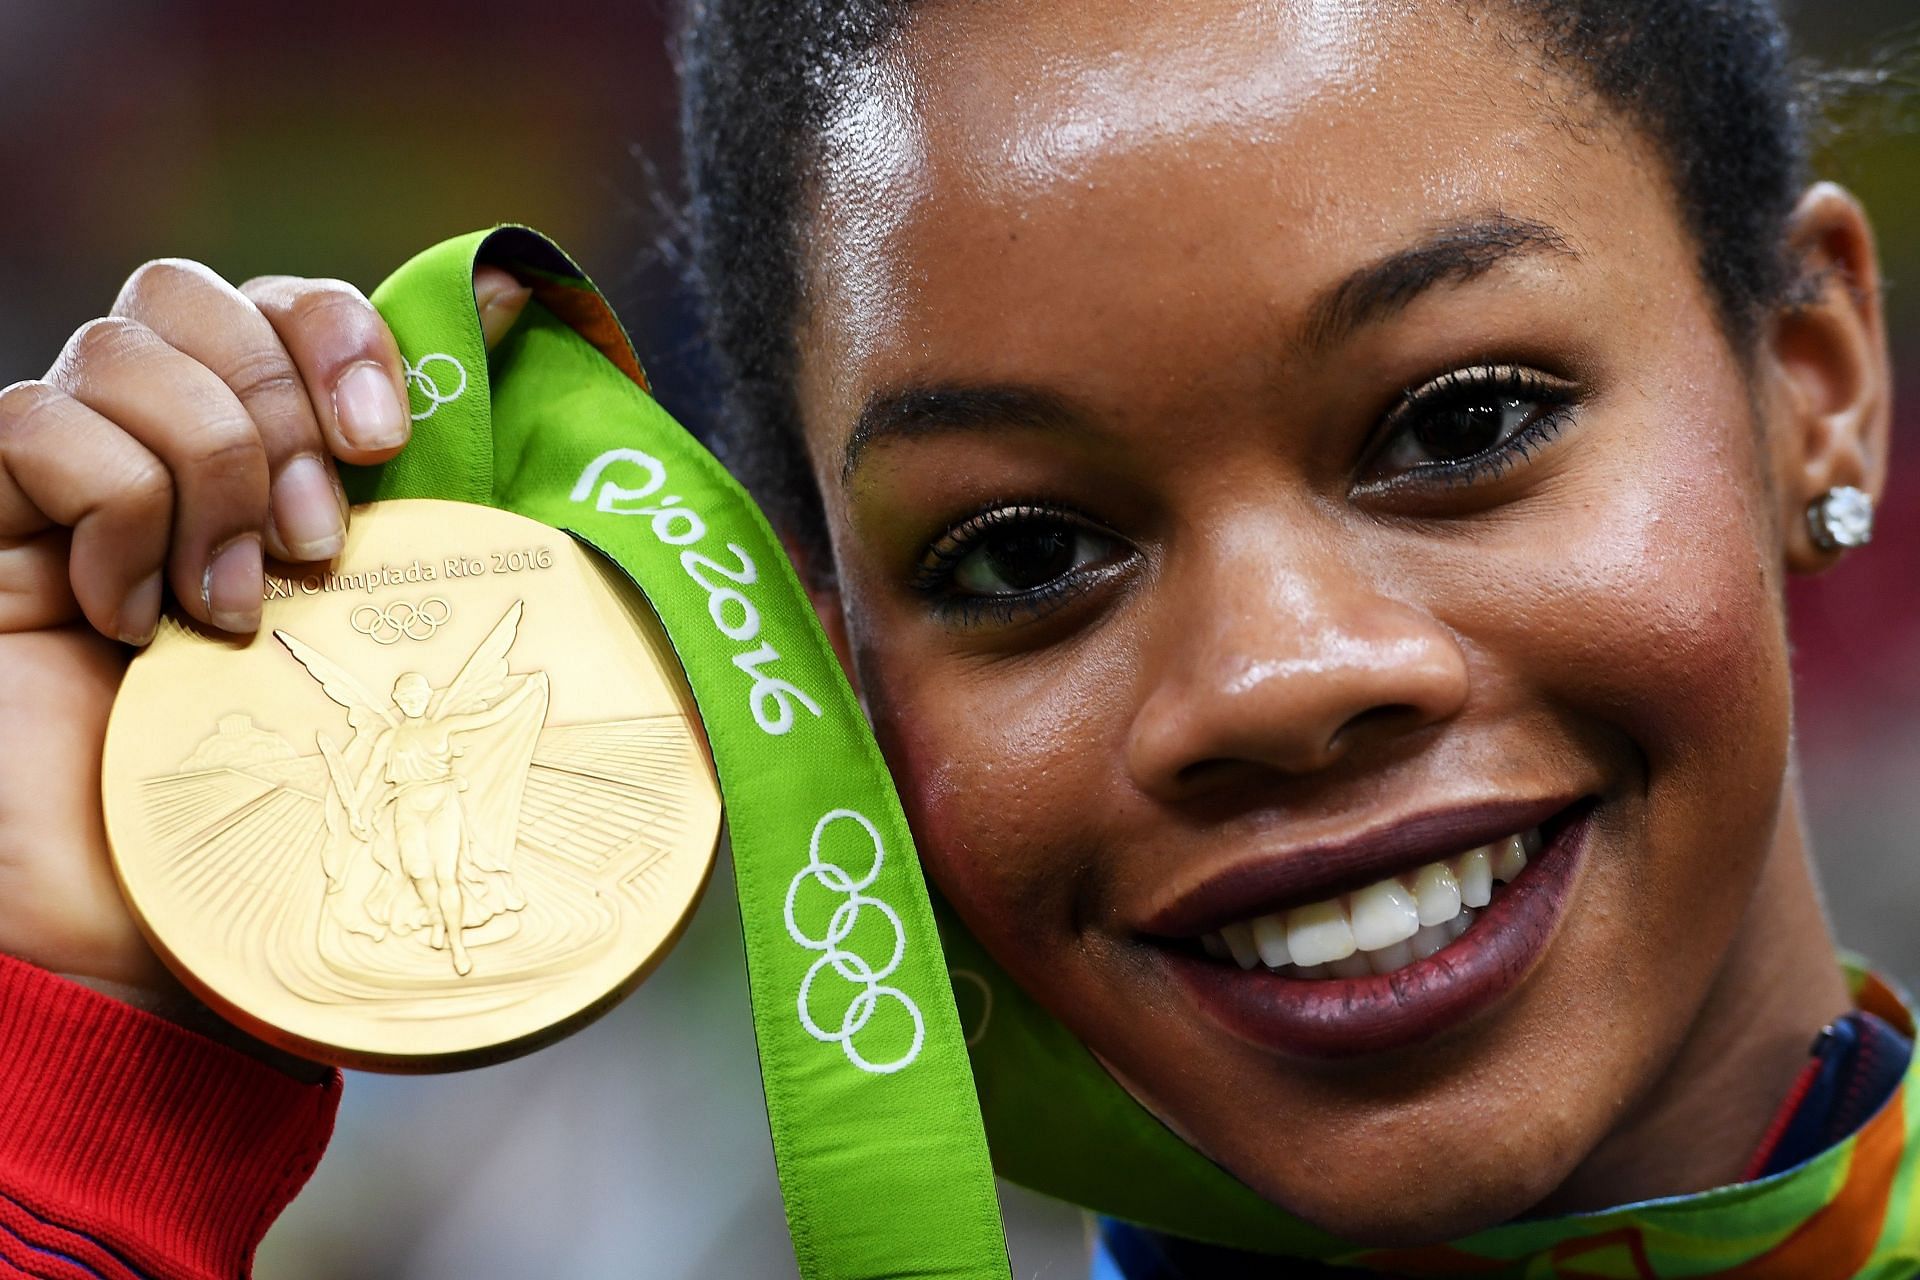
881 1151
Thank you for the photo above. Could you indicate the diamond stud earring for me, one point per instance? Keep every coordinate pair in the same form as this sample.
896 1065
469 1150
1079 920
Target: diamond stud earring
1840 519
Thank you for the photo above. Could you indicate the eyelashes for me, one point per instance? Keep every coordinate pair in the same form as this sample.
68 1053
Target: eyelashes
1010 563
1469 426
1015 561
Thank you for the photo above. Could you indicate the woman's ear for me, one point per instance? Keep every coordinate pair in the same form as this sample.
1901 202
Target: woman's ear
1831 378
823 592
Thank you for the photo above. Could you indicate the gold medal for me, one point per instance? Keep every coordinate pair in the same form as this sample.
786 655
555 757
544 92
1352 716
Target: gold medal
449 804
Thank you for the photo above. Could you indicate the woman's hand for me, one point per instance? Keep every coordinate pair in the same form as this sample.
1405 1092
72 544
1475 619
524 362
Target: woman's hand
174 442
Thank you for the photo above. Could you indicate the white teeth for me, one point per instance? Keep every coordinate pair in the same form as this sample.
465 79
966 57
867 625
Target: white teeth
1383 914
1319 933
1387 959
1239 940
1509 859
1438 893
1270 936
1383 927
1474 870
1353 966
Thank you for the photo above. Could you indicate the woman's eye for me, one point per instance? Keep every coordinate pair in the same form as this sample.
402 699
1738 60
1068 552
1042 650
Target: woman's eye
1013 563
1468 430
1026 558
1470 421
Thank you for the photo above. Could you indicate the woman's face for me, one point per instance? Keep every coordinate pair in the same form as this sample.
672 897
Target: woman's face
1271 449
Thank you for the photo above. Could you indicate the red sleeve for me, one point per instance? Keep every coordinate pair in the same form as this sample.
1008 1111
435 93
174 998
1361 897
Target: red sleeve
131 1147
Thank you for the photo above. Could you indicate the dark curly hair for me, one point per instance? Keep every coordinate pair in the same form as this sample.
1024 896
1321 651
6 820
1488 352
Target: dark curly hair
1711 82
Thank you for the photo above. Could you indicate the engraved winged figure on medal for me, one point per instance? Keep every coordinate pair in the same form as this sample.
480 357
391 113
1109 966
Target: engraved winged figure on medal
409 841
423 800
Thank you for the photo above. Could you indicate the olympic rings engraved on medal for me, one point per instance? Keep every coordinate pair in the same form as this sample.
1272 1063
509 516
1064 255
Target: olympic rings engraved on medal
401 620
418 379
846 964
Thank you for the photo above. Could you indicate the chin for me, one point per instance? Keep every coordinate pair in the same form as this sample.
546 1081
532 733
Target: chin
1433 1201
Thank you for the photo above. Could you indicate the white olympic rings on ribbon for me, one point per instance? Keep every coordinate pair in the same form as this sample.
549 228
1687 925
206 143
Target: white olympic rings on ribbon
418 379
846 964
400 619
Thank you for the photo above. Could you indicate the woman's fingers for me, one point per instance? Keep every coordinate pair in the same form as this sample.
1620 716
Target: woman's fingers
190 433
500 298
192 421
347 359
202 316
63 466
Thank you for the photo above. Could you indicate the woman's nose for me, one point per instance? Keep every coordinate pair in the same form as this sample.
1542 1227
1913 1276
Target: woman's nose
1286 670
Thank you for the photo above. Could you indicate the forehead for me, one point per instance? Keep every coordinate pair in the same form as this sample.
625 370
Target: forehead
999 166
1026 94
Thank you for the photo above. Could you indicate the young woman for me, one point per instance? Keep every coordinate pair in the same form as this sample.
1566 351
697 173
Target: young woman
1271 467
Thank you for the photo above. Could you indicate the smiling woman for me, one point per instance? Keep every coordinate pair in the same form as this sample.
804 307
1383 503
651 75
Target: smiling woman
1305 492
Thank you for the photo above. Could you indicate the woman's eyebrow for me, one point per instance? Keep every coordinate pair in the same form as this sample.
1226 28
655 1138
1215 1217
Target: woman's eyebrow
1452 254
919 411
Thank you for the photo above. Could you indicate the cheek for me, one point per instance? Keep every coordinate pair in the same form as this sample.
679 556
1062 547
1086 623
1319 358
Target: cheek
1667 611
1675 627
999 773
1658 634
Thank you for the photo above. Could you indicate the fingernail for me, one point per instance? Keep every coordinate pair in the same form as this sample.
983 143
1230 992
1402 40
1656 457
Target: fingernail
498 312
369 414
234 585
306 513
140 613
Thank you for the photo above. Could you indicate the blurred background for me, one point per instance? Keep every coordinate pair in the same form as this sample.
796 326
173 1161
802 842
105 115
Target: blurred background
337 140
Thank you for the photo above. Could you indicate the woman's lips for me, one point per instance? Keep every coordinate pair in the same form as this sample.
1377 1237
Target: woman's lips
1346 1017
1326 869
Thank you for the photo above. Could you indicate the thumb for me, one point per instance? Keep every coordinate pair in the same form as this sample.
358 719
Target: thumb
500 299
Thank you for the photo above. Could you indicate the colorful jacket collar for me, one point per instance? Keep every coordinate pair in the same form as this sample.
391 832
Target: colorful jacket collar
1849 1211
